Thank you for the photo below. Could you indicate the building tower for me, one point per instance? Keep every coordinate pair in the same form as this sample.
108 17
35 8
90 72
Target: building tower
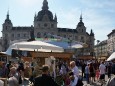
44 23
7 26
80 27
91 45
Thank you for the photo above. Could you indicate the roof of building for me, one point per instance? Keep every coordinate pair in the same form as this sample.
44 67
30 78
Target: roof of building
104 42
22 28
67 30
113 31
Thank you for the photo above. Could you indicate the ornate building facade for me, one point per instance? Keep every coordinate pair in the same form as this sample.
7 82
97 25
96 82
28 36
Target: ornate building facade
111 42
45 23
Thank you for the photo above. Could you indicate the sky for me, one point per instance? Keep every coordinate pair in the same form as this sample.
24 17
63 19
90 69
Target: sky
98 15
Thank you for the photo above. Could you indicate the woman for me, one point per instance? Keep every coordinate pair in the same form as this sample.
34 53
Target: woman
92 72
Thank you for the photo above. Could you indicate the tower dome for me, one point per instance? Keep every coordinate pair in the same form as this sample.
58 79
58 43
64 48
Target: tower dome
81 22
44 11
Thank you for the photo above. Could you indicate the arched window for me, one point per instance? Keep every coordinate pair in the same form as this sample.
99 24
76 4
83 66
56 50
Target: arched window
45 35
38 35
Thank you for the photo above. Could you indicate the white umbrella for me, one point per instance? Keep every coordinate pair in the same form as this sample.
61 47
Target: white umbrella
112 57
34 46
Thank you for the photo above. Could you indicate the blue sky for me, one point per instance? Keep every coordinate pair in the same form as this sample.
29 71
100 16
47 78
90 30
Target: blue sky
98 15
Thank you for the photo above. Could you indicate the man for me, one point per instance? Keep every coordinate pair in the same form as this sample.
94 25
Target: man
87 72
102 70
74 68
45 79
1 83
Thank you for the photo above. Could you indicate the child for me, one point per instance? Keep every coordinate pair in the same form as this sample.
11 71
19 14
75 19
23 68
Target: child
97 74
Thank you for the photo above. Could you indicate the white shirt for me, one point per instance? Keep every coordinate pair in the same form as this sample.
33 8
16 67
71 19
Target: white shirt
12 81
102 68
74 83
75 70
1 83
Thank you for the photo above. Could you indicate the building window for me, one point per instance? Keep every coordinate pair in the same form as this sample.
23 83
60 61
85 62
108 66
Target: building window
52 25
45 25
38 25
18 35
24 35
6 27
38 35
12 35
45 35
6 35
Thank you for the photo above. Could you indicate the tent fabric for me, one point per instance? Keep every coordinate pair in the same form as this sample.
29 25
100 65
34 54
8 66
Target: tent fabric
112 57
34 46
66 45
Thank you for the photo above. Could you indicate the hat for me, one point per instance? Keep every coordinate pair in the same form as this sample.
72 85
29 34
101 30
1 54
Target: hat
45 68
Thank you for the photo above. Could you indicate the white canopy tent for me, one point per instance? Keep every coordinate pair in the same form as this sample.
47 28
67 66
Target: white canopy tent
66 45
34 46
112 57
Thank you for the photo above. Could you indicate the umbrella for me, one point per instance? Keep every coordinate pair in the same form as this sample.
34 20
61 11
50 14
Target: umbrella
112 57
34 46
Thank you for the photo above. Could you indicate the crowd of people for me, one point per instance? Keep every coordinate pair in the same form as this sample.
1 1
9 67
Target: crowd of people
71 74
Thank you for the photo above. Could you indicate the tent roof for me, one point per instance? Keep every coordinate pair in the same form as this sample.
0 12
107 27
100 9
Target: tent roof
34 46
112 57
